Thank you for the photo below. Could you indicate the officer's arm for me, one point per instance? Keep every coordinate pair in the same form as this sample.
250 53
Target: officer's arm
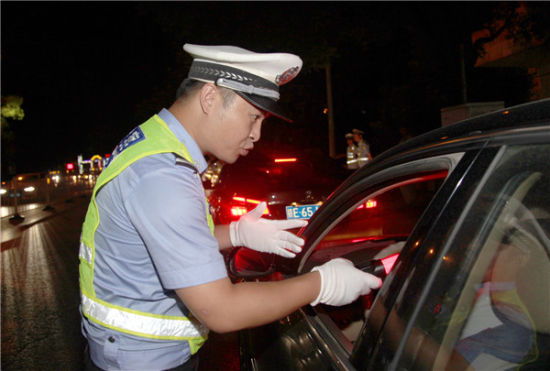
223 306
221 232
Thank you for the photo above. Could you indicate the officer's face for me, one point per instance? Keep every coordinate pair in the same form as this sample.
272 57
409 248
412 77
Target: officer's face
237 127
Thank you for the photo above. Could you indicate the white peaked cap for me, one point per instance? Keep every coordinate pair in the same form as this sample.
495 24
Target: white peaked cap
256 77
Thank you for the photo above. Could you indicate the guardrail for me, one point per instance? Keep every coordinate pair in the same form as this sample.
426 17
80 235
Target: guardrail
19 196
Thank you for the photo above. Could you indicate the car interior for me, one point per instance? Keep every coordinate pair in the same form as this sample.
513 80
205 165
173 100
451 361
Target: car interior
373 230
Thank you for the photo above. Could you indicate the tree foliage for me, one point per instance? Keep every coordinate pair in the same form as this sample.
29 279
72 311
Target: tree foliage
11 107
523 22
12 110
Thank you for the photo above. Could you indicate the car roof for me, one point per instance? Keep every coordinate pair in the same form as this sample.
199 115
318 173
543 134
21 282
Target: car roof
460 136
520 116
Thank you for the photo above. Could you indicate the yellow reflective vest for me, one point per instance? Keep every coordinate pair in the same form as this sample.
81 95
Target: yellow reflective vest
152 137
363 152
351 157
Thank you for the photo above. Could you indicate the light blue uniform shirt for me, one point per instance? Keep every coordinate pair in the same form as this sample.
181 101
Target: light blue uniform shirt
152 238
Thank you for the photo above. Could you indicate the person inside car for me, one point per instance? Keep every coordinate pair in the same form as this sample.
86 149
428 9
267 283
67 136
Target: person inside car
499 331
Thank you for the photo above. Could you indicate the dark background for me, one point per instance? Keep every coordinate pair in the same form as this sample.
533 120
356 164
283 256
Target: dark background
91 71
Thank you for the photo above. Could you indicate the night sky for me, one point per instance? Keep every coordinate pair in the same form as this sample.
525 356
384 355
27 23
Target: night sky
82 69
91 71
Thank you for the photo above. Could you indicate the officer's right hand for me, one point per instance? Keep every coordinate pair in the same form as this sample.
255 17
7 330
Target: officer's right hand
342 283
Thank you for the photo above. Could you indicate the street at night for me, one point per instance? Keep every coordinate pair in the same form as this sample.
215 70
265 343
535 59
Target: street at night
258 186
40 318
40 315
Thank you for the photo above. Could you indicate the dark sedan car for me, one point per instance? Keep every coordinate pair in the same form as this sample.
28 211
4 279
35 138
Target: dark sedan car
293 186
458 222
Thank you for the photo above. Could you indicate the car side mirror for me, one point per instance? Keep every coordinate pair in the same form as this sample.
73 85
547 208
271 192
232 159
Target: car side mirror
249 264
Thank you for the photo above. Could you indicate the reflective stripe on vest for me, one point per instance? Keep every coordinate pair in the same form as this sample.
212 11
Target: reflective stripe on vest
152 137
140 323
351 160
362 150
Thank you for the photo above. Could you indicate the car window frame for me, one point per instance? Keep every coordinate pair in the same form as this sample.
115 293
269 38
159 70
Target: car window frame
483 235
459 184
482 168
323 328
355 194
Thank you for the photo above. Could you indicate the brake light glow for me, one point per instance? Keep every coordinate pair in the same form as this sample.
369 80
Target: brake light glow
389 261
279 160
249 203
238 210
370 204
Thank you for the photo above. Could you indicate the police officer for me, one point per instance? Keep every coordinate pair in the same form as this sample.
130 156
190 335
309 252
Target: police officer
152 279
363 149
351 153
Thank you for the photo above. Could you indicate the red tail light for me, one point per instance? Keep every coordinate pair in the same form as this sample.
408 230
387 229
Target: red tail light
238 210
389 261
370 204
279 160
242 205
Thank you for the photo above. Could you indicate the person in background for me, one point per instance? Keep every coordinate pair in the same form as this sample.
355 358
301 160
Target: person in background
152 278
351 153
363 148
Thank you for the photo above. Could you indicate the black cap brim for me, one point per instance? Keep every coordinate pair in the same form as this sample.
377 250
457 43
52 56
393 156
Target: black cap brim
265 104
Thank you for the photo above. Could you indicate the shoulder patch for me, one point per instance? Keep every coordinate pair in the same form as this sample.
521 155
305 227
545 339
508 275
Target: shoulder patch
133 137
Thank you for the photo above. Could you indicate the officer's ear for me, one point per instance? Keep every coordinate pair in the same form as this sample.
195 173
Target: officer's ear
207 97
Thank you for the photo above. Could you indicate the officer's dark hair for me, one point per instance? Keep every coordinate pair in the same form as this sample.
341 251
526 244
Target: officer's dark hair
188 87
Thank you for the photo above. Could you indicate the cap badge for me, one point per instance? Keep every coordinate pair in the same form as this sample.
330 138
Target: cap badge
287 75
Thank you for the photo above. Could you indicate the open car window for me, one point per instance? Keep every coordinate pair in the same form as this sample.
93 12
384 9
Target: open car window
376 227
382 218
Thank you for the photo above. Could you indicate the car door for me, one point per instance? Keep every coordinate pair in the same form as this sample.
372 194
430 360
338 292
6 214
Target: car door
475 294
370 218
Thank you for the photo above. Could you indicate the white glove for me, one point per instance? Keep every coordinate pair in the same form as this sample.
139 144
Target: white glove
342 283
266 235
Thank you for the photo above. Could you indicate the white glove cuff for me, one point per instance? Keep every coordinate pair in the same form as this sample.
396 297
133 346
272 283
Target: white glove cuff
233 234
318 299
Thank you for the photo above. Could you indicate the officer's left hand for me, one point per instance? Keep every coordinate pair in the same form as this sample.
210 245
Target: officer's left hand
265 235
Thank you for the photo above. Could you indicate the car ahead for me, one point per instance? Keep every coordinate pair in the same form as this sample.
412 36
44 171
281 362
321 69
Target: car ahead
461 236
292 186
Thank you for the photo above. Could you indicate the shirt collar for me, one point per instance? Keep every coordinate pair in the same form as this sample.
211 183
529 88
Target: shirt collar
183 136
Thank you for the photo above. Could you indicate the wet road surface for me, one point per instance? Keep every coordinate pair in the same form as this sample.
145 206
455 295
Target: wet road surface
40 295
40 318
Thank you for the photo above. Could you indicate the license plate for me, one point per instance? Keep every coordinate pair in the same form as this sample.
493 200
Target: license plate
301 212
